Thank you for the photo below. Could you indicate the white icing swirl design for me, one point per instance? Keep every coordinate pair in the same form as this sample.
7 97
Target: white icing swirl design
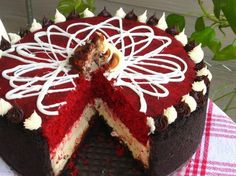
59 17
35 26
34 122
120 13
136 71
171 114
162 23
4 107
151 124
143 18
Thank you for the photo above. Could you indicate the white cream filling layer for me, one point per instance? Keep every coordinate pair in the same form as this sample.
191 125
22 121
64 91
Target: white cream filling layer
139 151
72 139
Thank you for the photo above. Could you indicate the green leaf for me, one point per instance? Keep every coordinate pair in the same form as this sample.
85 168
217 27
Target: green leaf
207 37
229 9
217 7
203 36
67 6
227 53
199 25
176 20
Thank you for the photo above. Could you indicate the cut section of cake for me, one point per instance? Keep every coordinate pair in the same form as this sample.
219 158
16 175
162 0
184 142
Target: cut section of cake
149 84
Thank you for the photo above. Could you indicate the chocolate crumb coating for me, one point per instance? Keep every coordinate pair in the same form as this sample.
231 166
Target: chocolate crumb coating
161 123
183 109
105 13
5 45
172 30
73 15
15 115
46 22
131 16
190 46
152 21
200 65
23 32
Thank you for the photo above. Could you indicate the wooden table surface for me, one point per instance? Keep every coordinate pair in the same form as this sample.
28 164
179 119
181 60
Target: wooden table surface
13 15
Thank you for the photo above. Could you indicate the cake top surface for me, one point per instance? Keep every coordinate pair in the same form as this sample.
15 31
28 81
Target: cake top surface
156 69
151 60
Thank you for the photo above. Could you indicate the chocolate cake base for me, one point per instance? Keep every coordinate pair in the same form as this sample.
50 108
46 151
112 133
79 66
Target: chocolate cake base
23 150
173 147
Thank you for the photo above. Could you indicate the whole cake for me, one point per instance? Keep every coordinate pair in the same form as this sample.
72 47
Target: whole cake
144 78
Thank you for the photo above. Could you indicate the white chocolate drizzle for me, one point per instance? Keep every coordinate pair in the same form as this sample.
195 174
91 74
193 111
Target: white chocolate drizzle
120 13
136 71
143 18
59 17
88 13
4 107
34 122
162 22
35 26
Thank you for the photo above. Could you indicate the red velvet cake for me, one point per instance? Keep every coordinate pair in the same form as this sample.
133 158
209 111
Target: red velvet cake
145 80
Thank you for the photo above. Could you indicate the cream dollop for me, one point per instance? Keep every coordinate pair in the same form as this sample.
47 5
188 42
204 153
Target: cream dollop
205 72
35 26
182 37
197 54
4 107
190 101
151 124
162 22
120 13
199 86
171 114
143 18
88 13
34 122
14 38
59 17
3 32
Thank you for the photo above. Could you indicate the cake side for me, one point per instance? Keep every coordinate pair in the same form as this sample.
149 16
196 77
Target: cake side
25 151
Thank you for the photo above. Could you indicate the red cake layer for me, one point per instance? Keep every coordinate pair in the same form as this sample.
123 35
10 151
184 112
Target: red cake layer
124 101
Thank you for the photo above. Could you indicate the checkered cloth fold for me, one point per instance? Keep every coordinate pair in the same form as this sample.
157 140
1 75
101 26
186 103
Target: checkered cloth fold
216 155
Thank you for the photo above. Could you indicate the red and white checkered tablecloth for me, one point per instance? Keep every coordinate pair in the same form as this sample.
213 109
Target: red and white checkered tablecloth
216 155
